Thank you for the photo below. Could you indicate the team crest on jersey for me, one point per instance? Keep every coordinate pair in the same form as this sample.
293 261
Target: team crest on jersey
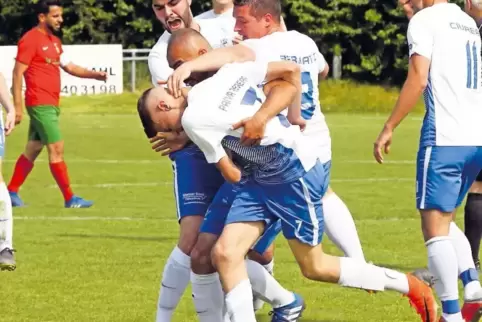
224 42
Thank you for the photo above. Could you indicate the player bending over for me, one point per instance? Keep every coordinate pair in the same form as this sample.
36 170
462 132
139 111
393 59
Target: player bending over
7 260
282 165
445 65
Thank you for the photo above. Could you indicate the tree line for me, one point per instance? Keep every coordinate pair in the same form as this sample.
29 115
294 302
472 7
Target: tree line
369 35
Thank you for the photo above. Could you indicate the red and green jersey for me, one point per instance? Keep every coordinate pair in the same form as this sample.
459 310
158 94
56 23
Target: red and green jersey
41 52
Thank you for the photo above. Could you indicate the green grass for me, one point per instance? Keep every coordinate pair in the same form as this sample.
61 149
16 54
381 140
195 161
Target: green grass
107 268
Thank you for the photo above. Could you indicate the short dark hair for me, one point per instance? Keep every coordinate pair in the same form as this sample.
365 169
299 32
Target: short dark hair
43 6
144 115
261 7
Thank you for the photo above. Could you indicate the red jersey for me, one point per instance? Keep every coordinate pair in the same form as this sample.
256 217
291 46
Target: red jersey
41 52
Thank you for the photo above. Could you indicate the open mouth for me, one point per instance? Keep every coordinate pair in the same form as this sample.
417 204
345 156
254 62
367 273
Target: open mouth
174 23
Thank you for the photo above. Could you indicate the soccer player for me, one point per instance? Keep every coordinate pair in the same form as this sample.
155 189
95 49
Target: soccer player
445 64
7 259
282 165
259 22
195 181
39 57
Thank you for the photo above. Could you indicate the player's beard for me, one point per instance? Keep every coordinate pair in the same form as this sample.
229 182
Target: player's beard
56 32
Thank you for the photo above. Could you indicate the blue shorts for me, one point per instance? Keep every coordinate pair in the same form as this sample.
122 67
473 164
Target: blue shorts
272 231
196 182
297 204
445 174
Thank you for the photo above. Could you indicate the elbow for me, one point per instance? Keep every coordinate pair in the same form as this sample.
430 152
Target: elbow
233 176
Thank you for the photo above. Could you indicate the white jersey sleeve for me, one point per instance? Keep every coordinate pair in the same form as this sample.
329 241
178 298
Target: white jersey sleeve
420 37
157 60
321 61
205 134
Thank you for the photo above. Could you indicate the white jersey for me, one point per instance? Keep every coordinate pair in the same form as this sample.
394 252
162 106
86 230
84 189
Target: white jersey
297 47
218 32
231 95
450 39
210 14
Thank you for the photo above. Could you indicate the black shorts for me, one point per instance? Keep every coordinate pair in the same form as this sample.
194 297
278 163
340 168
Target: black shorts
479 177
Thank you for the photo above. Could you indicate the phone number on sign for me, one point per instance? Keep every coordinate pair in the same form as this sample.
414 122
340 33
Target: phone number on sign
88 89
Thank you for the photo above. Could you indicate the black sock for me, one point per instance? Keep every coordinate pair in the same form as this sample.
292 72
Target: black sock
473 222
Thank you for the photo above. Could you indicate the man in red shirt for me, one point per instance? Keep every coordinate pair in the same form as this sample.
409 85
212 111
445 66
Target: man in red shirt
39 57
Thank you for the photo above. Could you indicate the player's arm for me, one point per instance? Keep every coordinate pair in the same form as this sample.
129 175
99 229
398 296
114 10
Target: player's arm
158 67
323 66
7 105
17 81
81 72
412 89
407 8
229 170
210 61
283 89
420 39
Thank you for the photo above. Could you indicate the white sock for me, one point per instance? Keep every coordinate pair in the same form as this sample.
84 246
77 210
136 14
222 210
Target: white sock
175 278
466 267
239 303
340 227
442 263
266 287
6 218
208 297
257 301
358 274
270 267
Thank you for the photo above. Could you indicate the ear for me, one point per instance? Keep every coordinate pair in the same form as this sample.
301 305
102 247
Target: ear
268 20
202 52
163 106
41 17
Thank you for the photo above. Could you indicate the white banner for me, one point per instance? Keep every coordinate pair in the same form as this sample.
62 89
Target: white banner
106 58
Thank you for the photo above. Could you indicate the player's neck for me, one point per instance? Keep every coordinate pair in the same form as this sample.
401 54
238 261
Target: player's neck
221 8
44 29
276 28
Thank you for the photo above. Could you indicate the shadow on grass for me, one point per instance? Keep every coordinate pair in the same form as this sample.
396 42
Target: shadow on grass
100 236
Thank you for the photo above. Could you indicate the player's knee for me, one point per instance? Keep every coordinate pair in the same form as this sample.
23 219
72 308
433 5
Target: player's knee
223 253
187 242
263 259
201 259
313 272
56 151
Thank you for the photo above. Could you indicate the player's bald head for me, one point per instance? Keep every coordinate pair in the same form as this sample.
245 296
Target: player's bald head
159 111
185 45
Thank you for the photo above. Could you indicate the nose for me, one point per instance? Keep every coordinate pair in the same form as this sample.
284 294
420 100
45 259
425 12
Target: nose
168 10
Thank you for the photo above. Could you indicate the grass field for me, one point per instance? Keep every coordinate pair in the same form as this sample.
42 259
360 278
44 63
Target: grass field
104 263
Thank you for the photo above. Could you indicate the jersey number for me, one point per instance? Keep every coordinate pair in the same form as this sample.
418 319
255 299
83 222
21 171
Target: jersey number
307 102
472 68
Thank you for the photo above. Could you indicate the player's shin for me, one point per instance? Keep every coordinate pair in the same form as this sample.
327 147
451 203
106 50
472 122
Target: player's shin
175 279
207 293
473 223
228 257
442 263
340 227
266 286
6 219
466 266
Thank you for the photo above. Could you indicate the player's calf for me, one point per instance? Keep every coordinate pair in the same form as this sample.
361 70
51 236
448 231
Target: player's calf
207 292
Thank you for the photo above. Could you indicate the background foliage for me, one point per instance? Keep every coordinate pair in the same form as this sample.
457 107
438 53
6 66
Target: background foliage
370 35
